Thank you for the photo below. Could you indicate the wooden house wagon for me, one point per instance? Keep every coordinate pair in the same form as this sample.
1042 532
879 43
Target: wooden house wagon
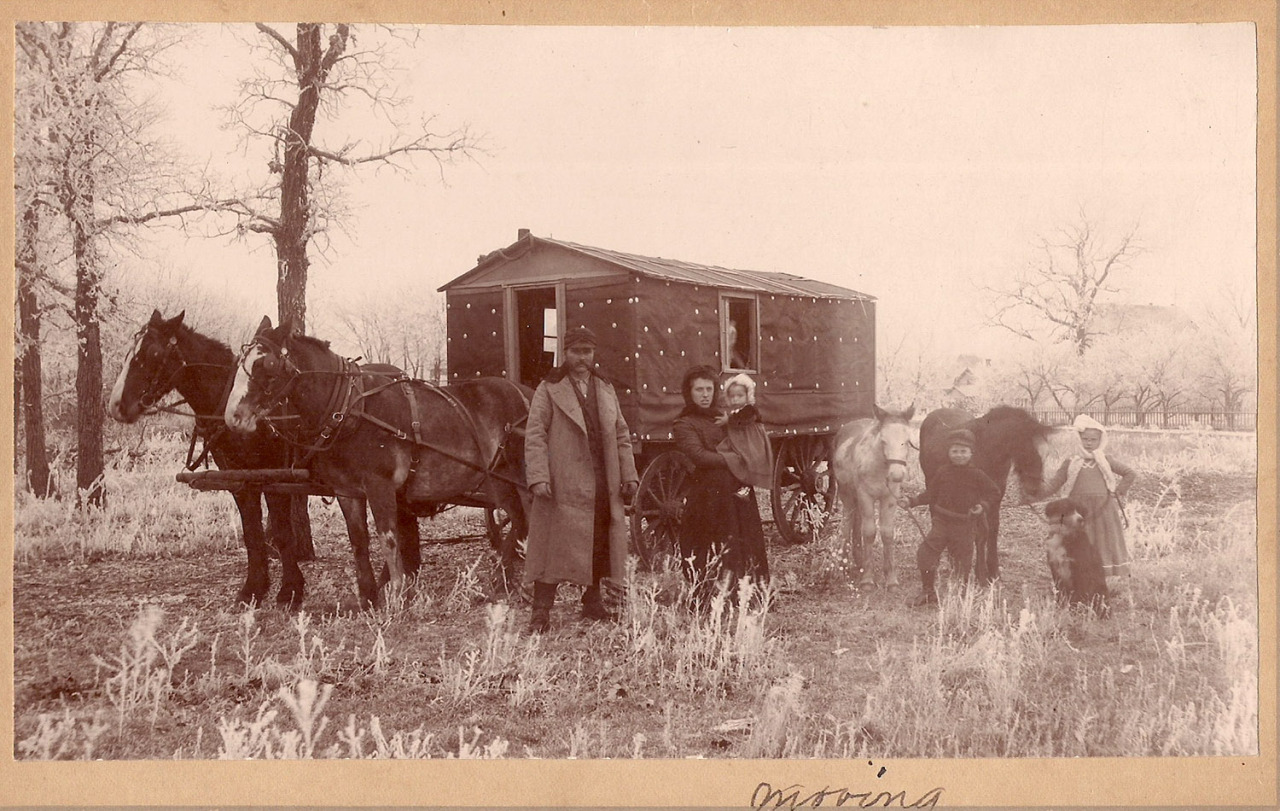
809 345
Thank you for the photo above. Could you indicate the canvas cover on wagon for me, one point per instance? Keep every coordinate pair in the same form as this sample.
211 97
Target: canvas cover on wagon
809 345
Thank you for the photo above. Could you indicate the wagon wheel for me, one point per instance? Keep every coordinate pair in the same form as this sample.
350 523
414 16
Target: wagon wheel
508 576
804 490
659 501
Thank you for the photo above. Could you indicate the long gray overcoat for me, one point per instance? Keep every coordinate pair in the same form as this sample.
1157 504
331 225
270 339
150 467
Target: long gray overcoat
556 452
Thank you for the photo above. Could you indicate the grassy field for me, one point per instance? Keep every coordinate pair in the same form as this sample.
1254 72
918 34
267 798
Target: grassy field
127 645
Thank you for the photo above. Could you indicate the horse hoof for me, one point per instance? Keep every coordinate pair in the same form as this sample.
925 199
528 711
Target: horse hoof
249 599
867 580
289 601
891 579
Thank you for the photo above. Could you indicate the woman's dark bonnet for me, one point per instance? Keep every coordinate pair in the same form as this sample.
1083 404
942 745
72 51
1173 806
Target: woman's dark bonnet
696 373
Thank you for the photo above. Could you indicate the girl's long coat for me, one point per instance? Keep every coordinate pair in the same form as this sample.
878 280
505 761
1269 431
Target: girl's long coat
556 452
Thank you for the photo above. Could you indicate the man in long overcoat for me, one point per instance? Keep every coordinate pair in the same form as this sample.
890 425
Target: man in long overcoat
580 469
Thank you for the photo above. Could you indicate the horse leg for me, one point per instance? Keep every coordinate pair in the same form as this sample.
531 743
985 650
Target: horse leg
853 528
888 534
353 512
989 541
281 535
410 539
383 503
258 577
867 533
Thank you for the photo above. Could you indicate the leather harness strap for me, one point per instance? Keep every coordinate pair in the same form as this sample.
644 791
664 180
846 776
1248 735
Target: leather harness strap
347 402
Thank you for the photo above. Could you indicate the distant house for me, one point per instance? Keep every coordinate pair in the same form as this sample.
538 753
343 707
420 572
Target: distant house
966 385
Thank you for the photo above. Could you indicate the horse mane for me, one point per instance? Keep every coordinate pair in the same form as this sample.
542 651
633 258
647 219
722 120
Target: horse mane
312 341
210 342
1016 419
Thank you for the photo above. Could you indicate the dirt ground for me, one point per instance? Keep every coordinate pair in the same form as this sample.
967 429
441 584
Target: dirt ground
71 616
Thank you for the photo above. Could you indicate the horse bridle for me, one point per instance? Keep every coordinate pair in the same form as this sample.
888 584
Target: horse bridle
152 390
276 363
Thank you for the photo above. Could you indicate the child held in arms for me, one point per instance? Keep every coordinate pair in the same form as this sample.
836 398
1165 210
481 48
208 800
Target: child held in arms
957 497
746 446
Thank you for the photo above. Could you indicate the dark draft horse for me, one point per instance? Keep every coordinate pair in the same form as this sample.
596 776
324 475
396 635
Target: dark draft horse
1006 437
166 355
404 448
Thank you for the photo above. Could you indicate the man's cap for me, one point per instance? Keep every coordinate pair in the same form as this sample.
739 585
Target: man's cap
580 335
961 436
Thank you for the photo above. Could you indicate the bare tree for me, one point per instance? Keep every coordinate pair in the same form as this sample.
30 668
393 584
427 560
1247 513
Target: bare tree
1227 351
403 326
1057 295
97 169
318 71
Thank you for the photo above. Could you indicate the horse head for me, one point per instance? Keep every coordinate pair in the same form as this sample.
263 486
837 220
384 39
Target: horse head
264 375
893 433
150 369
1014 434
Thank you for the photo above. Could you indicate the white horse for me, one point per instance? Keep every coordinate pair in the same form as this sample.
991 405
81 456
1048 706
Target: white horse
870 462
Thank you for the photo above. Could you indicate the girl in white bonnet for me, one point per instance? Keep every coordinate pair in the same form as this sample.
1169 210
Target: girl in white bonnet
1099 482
746 446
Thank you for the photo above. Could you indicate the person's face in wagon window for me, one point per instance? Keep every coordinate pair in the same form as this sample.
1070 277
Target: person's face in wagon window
703 392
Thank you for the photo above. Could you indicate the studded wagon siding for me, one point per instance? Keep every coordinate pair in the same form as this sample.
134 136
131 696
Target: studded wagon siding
474 334
657 317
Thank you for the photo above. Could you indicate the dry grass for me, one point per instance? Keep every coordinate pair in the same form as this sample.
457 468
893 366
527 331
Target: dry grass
126 645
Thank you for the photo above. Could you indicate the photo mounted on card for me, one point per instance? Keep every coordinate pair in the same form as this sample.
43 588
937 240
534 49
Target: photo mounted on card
772 406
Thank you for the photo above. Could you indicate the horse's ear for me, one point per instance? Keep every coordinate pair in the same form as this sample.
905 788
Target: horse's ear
156 318
176 321
909 413
879 412
263 326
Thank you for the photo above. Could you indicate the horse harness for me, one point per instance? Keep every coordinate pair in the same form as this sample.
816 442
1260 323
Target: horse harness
346 402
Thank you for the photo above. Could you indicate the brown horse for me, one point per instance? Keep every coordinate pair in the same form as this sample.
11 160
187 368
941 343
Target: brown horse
1006 438
167 355
870 463
402 447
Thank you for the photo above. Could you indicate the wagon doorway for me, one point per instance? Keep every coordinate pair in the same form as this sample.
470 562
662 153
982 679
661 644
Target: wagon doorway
537 333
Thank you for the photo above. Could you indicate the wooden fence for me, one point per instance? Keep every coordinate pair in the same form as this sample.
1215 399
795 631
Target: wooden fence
1130 418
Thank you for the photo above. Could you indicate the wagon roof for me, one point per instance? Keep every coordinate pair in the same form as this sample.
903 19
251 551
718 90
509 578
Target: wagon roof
676 270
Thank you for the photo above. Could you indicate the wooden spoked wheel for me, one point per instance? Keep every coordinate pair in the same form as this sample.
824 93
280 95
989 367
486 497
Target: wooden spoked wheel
509 575
804 488
658 505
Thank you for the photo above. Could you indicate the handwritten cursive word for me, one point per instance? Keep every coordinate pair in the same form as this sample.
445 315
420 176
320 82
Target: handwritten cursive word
797 796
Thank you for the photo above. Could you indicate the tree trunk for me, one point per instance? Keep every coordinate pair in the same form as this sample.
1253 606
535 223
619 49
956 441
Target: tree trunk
89 411
77 195
30 367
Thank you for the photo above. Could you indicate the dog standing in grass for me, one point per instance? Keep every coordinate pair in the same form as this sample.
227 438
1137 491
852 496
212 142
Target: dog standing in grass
1074 564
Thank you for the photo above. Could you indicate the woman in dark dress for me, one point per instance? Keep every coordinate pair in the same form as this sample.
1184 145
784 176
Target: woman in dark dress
714 520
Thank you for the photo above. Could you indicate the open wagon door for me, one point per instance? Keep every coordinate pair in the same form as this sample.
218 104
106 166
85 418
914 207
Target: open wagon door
534 345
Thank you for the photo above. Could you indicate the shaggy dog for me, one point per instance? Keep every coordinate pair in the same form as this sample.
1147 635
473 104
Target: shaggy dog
1073 562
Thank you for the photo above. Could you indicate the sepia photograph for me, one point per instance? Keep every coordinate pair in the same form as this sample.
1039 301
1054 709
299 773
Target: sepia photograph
753 411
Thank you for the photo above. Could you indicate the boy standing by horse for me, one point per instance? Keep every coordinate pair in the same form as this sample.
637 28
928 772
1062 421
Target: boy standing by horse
959 496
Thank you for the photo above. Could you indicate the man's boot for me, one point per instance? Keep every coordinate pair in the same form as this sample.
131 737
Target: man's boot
593 605
928 595
544 597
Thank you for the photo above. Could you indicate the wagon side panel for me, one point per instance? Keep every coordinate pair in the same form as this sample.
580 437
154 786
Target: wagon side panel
475 334
677 327
817 361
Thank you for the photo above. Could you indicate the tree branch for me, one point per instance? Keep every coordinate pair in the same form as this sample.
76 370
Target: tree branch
280 40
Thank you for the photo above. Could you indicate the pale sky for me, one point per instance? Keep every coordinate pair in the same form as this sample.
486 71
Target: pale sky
910 163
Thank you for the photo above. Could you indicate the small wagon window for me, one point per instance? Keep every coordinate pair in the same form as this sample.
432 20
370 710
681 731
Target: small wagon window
739 334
